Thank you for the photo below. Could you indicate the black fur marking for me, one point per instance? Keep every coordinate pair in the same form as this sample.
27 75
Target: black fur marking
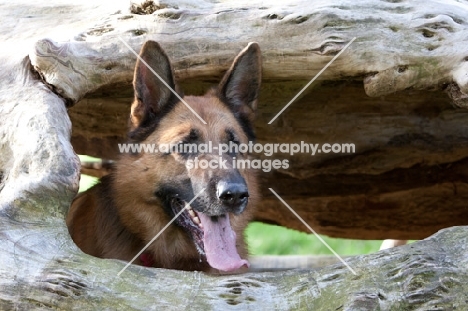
194 134
173 203
151 121
247 127
231 136
243 121
167 193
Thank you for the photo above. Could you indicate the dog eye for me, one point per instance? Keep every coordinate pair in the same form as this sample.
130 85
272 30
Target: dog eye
185 148
193 136
232 137
233 143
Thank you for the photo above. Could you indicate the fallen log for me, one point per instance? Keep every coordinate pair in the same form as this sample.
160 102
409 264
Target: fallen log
42 269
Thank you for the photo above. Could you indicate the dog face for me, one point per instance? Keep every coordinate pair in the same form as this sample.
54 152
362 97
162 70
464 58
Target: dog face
219 193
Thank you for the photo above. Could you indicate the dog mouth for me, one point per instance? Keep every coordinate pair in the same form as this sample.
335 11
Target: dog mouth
212 235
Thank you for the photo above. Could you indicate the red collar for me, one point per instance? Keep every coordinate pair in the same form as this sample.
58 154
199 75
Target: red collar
147 260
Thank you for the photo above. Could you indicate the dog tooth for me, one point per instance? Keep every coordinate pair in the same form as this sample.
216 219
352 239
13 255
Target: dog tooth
196 220
192 213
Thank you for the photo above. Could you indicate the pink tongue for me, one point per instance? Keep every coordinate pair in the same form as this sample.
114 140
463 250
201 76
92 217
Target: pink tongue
220 244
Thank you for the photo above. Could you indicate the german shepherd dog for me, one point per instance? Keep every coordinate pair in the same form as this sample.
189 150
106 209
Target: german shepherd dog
118 216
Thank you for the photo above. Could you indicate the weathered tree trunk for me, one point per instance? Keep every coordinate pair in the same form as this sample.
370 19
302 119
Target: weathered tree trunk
42 269
407 179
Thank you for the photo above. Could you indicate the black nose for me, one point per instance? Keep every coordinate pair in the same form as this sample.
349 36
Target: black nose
234 196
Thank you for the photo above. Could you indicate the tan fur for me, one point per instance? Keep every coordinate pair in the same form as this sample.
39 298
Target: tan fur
118 216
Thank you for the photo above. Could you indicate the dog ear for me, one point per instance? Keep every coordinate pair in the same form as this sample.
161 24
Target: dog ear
151 95
240 86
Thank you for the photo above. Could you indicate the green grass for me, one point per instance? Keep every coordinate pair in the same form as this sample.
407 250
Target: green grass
266 239
87 181
88 158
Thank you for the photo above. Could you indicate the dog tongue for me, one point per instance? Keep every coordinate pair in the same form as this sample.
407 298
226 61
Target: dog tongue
220 244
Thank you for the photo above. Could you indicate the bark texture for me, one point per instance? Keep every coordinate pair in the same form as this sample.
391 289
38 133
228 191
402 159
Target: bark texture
40 268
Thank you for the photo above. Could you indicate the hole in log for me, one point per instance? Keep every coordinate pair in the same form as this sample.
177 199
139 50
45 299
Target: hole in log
273 16
138 32
300 19
232 302
170 15
458 20
402 69
146 8
125 17
427 33
99 31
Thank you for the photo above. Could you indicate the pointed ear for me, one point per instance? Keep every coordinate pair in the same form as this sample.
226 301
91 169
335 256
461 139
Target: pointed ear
240 86
151 95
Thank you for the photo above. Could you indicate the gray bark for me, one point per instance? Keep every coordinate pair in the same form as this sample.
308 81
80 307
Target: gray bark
399 45
42 269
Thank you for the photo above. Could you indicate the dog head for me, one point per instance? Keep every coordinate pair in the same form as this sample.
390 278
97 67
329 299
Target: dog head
187 172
